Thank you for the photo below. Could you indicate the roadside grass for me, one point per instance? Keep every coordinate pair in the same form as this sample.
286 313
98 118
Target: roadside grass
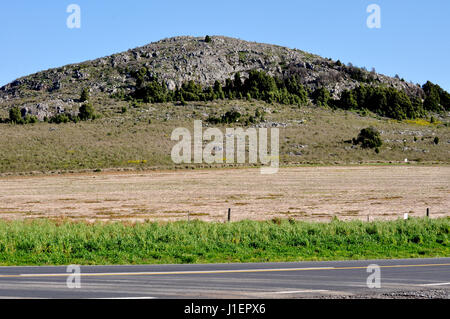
45 242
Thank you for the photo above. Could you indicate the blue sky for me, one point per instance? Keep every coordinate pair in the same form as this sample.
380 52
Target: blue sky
413 40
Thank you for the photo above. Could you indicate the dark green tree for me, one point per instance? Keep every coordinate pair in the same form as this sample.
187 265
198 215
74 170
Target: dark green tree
294 86
436 140
15 116
432 100
218 90
86 112
436 98
141 77
260 85
369 138
348 100
321 96
237 82
84 95
59 118
152 92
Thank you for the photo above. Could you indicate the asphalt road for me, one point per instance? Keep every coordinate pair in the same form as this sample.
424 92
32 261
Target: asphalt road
257 280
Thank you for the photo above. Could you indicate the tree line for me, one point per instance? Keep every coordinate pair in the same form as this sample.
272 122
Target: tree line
258 85
384 101
85 112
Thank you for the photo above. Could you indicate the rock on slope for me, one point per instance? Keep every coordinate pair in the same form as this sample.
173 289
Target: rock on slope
179 59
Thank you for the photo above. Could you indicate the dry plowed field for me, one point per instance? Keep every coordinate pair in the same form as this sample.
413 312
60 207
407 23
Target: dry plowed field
303 193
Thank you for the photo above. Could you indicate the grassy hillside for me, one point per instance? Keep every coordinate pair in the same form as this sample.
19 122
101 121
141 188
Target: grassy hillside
119 111
140 137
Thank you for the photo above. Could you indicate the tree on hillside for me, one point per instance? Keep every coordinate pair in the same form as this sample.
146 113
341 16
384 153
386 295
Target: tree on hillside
436 99
141 77
152 92
86 112
84 95
368 138
321 96
15 116
348 100
259 84
208 39
218 90
237 82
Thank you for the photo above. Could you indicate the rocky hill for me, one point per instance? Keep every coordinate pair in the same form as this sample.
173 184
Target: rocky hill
177 60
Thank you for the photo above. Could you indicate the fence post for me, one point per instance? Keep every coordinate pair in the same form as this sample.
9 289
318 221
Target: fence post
229 214
428 212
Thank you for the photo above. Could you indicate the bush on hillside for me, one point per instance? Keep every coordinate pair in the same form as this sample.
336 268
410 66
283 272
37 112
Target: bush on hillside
15 116
84 95
369 138
87 112
321 96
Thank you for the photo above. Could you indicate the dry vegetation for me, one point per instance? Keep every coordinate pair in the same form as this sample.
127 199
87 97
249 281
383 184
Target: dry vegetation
140 138
301 193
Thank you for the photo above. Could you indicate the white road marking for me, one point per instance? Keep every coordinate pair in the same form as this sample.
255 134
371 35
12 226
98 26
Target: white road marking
299 291
437 284
125 298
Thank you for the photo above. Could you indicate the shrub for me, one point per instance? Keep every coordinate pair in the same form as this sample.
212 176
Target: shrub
276 220
348 100
30 119
152 92
182 101
369 138
86 112
231 117
321 96
436 140
59 118
208 39
15 116
84 95
227 118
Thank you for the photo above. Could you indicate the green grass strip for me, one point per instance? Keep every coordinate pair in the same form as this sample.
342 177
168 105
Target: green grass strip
45 242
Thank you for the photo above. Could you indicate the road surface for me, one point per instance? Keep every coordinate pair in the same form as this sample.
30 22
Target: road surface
257 280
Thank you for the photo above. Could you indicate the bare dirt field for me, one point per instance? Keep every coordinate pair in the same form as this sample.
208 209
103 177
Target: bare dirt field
303 193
